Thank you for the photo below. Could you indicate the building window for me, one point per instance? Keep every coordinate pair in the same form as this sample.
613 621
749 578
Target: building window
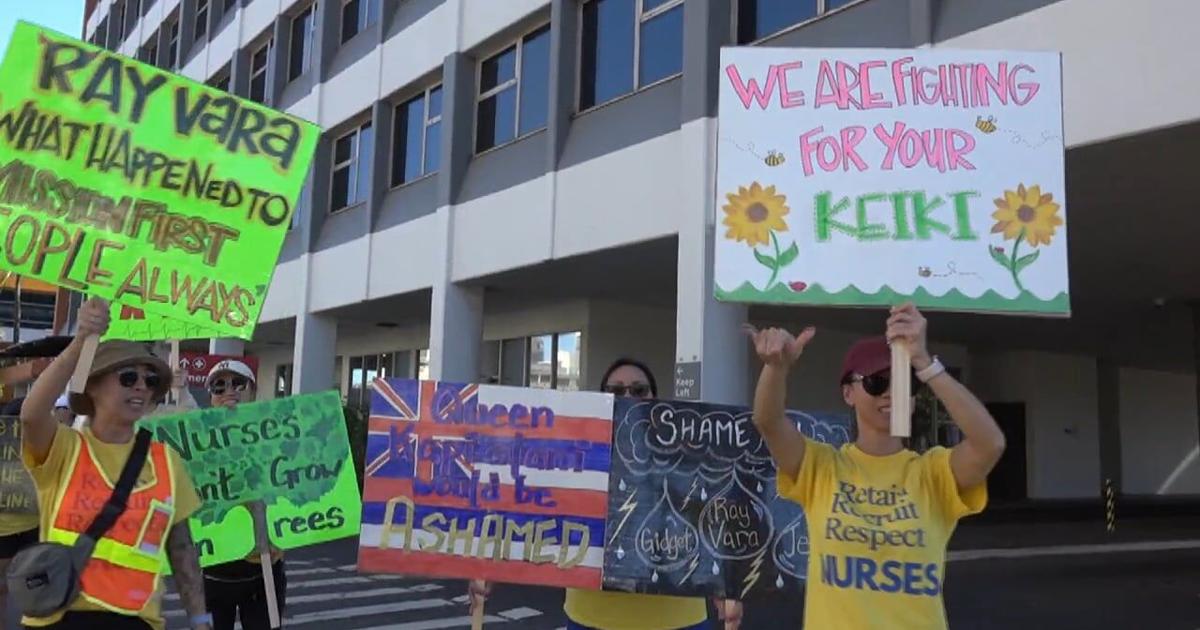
554 361
363 371
757 19
229 5
351 167
627 45
513 91
148 53
303 36
417 137
423 365
132 16
173 45
119 17
100 37
220 80
201 19
260 61
283 380
357 15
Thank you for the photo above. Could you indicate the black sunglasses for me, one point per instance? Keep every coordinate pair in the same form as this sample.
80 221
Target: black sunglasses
220 385
879 383
129 379
637 390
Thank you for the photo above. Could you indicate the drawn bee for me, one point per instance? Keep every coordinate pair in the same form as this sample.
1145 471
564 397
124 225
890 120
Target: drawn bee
986 126
774 158
924 272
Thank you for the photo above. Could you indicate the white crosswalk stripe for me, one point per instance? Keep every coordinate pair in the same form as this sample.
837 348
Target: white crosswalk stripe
328 594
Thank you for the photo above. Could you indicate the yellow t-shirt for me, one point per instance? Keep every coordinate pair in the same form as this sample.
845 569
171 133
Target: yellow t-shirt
608 610
877 534
47 476
16 523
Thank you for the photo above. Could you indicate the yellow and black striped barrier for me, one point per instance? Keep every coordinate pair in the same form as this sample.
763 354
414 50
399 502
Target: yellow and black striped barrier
1110 506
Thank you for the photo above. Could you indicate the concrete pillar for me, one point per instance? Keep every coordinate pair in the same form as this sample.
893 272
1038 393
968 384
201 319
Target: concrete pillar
564 37
187 30
455 332
382 113
711 354
458 112
277 67
315 353
227 347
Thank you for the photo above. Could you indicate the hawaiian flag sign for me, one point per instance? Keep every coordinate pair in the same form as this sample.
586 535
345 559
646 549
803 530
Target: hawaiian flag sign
482 481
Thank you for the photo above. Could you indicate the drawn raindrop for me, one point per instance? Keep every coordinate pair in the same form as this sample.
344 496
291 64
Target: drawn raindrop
736 524
760 488
779 581
621 485
654 577
703 495
664 523
620 553
716 568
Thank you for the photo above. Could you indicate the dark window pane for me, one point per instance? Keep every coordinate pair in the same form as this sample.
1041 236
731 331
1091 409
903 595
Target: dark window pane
258 88
435 102
758 18
299 44
230 4
498 69
535 81
343 149
372 12
340 197
366 146
349 20
433 147
607 60
495 122
406 141
201 19
661 47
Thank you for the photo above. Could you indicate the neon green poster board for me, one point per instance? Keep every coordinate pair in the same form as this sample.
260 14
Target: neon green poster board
137 325
291 453
122 180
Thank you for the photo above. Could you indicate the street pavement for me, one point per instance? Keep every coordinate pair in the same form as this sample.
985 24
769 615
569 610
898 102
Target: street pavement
1054 583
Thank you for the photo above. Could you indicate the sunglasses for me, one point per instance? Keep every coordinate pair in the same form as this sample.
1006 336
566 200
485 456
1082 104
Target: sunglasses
221 385
878 383
637 390
129 379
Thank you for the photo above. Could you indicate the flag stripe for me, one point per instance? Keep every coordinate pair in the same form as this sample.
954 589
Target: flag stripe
373 513
373 560
566 502
579 428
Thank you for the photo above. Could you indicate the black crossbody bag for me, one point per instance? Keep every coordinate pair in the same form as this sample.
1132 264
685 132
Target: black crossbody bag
44 579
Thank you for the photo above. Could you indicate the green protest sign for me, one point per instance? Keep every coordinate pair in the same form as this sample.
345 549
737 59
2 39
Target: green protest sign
125 181
291 453
135 324
17 494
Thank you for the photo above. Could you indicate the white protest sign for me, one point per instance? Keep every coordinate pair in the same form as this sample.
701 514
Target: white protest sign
864 177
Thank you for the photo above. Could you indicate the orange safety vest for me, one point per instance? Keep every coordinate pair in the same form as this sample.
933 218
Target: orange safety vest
126 565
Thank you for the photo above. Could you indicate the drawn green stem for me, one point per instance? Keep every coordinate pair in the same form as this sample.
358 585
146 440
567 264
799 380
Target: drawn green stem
775 267
1012 266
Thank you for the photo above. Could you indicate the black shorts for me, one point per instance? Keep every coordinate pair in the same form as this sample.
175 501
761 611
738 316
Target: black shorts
13 543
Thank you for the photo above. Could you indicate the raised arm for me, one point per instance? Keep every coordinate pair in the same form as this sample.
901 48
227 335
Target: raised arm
37 412
778 350
185 565
983 442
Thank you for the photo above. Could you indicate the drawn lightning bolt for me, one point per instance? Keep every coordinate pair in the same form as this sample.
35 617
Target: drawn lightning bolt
691 569
689 494
626 509
753 575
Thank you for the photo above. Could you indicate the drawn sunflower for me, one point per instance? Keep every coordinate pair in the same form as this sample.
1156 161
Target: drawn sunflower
1027 213
1023 215
755 215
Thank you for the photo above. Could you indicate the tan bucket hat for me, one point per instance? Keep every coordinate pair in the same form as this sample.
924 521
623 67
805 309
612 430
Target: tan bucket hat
114 355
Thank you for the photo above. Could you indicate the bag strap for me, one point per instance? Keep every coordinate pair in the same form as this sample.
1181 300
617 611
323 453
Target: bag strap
115 506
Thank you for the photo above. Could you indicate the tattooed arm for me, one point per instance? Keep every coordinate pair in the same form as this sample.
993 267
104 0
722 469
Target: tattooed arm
185 564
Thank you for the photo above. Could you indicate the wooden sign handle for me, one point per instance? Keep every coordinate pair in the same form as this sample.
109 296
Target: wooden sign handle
901 390
83 367
477 617
262 542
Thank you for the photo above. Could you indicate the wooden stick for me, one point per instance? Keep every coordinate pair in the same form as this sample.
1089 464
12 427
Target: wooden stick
83 368
174 362
901 390
477 617
262 542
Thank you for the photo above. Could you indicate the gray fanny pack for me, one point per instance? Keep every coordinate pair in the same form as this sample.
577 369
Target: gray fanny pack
44 579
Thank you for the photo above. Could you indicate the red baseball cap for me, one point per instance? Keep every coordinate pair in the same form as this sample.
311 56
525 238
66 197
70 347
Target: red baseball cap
866 357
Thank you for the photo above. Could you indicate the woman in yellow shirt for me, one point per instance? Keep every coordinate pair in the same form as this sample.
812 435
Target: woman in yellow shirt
879 515
74 473
608 610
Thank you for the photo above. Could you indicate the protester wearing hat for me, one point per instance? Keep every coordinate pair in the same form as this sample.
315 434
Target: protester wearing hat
236 589
74 473
879 515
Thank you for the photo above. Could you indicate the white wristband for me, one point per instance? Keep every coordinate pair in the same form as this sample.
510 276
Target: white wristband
931 371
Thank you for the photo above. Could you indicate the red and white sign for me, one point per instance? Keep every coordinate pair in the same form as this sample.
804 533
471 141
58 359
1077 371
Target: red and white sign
198 365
